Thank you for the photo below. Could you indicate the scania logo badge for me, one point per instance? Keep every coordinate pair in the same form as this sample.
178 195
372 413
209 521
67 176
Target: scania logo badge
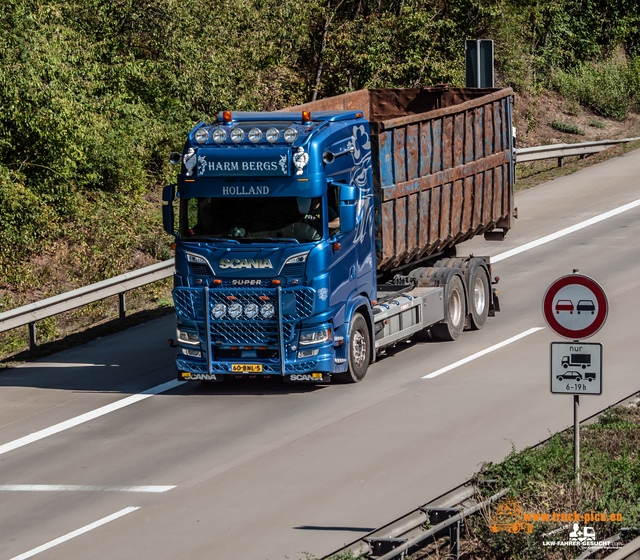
245 263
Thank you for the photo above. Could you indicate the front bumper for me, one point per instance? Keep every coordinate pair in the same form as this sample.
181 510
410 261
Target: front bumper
275 334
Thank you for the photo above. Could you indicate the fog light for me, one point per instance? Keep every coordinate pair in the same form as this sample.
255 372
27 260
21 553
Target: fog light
308 353
267 310
191 352
251 310
235 310
219 310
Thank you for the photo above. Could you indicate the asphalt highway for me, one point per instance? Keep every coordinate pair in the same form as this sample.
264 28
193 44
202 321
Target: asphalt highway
92 467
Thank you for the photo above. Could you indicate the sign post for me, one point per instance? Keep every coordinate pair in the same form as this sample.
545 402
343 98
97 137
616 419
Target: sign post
575 307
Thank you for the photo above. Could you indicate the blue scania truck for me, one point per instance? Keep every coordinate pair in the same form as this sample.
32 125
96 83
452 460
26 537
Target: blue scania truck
310 239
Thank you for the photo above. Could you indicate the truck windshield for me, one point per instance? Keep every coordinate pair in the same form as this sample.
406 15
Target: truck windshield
251 219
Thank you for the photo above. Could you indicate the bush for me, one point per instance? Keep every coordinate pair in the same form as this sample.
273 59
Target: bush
567 128
610 88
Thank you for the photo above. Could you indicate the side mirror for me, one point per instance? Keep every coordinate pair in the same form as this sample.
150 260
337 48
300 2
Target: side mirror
348 207
168 195
347 217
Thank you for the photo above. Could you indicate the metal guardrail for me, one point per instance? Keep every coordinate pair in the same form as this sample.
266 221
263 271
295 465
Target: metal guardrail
441 517
561 151
118 285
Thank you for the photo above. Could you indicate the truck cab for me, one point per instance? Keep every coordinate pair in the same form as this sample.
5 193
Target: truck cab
275 238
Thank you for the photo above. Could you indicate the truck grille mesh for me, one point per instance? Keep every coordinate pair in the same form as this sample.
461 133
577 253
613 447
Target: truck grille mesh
297 304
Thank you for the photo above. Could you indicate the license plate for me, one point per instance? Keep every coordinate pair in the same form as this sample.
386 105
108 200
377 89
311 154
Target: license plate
246 368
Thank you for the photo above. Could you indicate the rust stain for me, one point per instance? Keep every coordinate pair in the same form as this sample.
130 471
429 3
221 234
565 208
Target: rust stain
442 177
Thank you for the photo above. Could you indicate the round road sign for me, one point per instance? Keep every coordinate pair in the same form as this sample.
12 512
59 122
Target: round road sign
575 307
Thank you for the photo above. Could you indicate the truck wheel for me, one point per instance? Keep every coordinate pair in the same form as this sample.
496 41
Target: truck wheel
359 351
478 298
455 312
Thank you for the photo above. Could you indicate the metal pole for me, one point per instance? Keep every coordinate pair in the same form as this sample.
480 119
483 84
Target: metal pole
207 328
478 75
576 438
280 330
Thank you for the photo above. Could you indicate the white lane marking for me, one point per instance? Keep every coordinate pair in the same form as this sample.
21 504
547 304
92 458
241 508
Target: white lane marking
71 423
76 533
482 353
566 231
78 488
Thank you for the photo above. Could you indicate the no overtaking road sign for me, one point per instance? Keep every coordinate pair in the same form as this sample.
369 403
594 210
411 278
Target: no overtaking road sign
575 307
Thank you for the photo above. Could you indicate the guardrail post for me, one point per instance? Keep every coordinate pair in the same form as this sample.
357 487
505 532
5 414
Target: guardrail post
454 540
560 162
32 336
122 304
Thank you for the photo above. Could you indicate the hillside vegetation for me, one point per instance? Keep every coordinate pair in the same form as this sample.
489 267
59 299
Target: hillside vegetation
94 95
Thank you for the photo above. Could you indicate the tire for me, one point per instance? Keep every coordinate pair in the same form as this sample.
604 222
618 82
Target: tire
455 312
478 298
359 351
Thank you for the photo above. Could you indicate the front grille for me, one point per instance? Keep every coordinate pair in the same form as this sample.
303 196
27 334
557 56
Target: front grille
297 304
293 269
198 269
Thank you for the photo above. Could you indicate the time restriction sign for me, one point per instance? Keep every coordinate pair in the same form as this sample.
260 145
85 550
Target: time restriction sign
575 306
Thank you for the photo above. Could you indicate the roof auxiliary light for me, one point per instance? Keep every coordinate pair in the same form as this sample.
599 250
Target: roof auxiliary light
237 135
272 135
219 135
226 117
255 135
201 135
290 135
306 116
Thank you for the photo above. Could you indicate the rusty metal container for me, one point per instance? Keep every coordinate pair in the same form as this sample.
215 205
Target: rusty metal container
443 166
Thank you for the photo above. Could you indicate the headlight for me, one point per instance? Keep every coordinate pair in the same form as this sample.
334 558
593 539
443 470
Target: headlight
273 135
317 337
219 310
196 259
235 310
290 135
237 135
251 310
297 259
219 135
187 337
201 135
255 135
267 310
